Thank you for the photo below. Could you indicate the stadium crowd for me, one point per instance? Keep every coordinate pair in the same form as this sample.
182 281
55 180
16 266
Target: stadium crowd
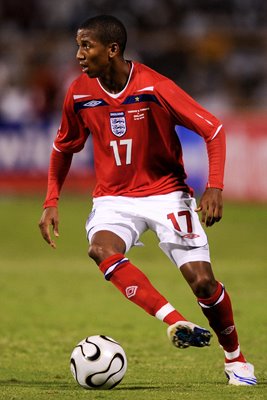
215 49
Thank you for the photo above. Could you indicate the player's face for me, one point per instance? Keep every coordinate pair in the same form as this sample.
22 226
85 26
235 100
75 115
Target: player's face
92 55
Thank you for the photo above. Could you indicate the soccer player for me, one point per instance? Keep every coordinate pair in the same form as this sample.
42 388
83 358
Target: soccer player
131 112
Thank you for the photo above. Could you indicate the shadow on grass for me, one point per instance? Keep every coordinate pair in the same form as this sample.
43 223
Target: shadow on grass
45 384
65 385
56 384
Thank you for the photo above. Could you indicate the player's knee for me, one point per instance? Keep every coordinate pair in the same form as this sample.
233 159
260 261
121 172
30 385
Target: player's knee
100 253
204 286
96 252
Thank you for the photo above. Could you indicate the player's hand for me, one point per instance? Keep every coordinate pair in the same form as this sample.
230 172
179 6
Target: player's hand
48 218
210 206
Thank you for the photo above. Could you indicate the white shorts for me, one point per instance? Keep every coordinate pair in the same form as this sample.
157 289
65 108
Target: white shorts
171 216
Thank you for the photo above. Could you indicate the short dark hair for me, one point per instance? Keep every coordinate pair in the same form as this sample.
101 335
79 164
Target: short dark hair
108 29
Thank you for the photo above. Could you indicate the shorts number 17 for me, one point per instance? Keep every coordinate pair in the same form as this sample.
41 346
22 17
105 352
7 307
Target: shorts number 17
175 223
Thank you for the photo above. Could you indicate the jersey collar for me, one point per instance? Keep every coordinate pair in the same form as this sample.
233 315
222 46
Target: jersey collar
116 95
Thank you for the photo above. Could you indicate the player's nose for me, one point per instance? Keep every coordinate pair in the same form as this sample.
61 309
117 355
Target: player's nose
79 54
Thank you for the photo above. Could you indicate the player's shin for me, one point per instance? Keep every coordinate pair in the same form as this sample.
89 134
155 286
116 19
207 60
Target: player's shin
136 287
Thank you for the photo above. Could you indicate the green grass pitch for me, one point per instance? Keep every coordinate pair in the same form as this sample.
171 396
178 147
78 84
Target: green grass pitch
51 299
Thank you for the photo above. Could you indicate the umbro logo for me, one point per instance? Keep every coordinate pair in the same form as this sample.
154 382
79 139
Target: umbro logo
228 330
82 105
190 236
92 103
130 291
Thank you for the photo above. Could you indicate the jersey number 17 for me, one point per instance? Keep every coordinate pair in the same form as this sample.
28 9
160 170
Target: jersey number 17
116 146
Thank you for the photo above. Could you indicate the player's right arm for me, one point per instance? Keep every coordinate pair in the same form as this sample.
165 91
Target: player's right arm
49 218
70 139
58 169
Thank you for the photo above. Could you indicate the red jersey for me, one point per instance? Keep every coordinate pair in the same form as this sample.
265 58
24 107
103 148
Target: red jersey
136 149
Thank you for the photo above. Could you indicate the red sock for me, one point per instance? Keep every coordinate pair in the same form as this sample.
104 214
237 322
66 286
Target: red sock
134 285
218 310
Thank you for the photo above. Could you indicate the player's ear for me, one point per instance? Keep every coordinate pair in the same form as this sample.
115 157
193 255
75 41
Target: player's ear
114 50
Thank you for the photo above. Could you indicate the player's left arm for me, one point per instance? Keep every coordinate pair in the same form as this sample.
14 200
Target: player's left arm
211 202
190 114
211 206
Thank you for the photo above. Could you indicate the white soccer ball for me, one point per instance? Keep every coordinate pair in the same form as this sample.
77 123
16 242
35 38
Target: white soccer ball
98 362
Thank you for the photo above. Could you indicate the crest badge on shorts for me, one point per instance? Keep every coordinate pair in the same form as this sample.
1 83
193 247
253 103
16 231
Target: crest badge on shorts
118 123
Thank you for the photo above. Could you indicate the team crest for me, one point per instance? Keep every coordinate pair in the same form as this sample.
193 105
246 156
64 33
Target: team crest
118 123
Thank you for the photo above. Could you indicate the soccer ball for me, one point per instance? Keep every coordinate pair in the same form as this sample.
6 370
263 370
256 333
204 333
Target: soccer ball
98 362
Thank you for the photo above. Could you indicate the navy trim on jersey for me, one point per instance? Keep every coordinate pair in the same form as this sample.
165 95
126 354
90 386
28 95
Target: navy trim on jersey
93 103
141 98
89 104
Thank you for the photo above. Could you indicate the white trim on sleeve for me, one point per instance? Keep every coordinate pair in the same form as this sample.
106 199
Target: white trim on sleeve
216 132
55 147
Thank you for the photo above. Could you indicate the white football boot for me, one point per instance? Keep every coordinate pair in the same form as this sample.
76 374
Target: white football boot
240 373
